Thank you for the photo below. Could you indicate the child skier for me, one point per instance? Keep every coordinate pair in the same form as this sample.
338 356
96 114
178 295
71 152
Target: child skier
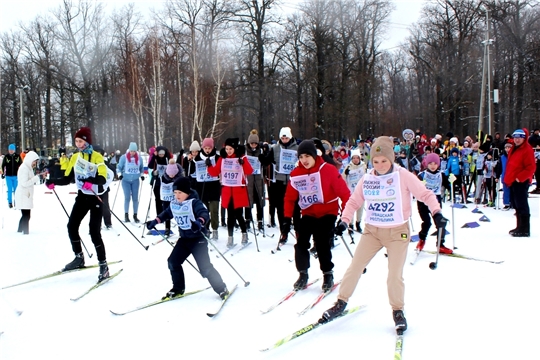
387 191
352 175
432 178
191 216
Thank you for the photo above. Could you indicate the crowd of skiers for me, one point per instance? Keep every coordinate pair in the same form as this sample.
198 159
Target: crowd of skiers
311 186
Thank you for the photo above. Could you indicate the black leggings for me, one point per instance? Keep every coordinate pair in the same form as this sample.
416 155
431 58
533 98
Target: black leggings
234 215
24 222
83 204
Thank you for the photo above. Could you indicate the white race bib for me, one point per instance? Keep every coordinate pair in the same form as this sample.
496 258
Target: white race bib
231 172
383 199
201 171
255 164
166 192
287 160
183 213
131 166
309 189
84 169
354 177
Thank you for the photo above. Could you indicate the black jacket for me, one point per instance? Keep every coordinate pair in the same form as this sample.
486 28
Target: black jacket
10 164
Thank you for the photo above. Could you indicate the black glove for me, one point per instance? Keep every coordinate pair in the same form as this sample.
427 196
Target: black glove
142 177
440 220
240 151
241 161
347 171
151 224
196 226
120 177
265 148
208 162
223 153
3 176
286 226
340 228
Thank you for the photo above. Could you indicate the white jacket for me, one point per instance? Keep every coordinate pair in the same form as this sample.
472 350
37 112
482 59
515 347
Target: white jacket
24 195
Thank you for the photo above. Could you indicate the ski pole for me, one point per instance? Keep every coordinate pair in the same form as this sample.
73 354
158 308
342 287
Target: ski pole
82 242
170 243
246 283
347 246
433 265
149 203
452 178
121 222
116 195
250 207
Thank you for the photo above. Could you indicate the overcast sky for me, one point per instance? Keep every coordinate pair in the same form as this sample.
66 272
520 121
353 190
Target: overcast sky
14 12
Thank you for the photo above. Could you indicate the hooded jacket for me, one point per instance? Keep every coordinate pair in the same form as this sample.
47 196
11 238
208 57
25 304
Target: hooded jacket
24 194
521 163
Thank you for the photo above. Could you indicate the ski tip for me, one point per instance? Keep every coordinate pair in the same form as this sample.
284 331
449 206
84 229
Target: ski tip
116 313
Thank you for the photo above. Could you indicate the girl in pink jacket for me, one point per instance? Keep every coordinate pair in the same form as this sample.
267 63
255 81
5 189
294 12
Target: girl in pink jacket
387 191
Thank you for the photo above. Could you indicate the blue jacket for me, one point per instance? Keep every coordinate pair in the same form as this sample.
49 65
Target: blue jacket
121 168
199 211
453 166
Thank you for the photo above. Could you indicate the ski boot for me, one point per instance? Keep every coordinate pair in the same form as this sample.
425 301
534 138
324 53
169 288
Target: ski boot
358 228
283 239
420 245
77 263
223 295
244 239
333 312
230 242
399 319
103 271
171 294
301 283
328 280
215 235
126 219
445 250
260 225
135 219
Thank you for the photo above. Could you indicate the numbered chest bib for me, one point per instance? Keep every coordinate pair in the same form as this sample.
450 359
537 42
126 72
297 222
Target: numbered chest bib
84 169
383 199
309 189
161 169
433 182
287 160
255 164
201 171
166 192
183 213
353 178
131 166
231 172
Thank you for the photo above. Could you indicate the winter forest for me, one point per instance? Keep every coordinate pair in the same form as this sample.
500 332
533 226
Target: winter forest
219 68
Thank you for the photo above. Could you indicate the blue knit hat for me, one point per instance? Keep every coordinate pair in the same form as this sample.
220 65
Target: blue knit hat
519 133
11 147
133 146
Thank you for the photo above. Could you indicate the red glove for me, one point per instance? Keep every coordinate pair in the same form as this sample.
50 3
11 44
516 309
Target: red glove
87 186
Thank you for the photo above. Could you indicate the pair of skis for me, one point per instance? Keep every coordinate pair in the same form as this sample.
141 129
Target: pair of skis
459 256
167 299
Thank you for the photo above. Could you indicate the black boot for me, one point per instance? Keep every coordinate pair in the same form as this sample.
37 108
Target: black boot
126 218
328 280
77 263
399 319
103 271
358 228
260 225
301 283
135 219
223 295
518 225
333 312
524 229
173 293
283 239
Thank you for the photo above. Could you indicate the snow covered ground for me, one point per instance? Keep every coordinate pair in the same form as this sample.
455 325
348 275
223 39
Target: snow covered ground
465 309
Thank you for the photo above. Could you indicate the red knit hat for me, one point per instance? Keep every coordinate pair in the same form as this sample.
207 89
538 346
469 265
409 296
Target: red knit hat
85 134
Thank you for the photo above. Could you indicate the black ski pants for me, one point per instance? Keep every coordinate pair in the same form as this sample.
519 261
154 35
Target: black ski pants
198 247
24 222
83 204
322 230
519 197
425 215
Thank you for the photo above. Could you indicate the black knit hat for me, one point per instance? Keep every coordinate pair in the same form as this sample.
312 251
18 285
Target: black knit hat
182 184
307 147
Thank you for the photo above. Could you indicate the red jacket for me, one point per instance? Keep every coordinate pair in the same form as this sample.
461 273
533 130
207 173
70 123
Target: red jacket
521 163
239 194
333 186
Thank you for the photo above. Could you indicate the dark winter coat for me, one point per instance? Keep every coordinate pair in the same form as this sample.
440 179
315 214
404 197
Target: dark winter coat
199 211
255 182
11 164
272 157
209 190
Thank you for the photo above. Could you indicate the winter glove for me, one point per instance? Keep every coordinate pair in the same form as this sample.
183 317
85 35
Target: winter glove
340 228
240 151
208 162
241 161
286 226
347 171
49 184
3 176
120 177
265 148
151 224
196 226
440 220
223 153
87 185
155 173
142 178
